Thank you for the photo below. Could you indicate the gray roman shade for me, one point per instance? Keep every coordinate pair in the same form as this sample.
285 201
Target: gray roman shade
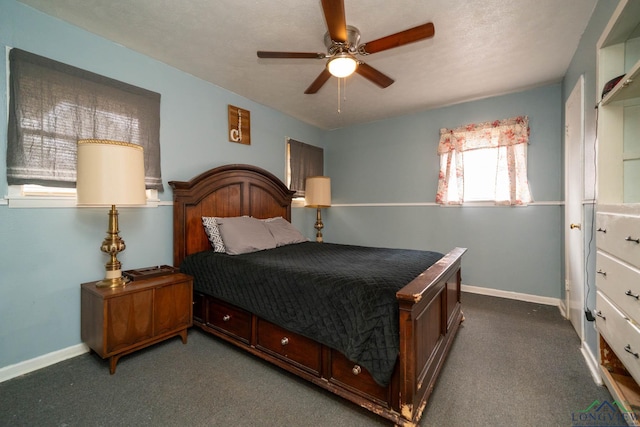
304 160
52 105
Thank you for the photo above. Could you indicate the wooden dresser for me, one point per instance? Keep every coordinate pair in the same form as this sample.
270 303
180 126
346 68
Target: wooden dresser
119 321
618 206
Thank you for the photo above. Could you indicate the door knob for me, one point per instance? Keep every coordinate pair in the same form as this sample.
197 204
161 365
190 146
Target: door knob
578 226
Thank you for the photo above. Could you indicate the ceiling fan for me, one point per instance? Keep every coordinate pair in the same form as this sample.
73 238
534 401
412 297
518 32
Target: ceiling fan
343 44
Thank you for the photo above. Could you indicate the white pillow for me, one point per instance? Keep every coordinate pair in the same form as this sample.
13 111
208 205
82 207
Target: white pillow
284 232
213 233
245 234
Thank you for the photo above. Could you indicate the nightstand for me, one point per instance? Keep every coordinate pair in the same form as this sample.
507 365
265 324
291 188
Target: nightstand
119 321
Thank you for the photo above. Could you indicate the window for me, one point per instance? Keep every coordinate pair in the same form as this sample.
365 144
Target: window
303 160
485 162
53 105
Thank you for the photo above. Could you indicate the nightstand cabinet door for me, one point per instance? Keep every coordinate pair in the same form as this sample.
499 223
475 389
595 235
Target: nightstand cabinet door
129 320
170 310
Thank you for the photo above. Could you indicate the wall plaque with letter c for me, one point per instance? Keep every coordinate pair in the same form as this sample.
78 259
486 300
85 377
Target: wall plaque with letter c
239 125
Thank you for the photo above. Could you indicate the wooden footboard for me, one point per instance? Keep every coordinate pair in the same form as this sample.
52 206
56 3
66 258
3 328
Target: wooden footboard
429 305
430 314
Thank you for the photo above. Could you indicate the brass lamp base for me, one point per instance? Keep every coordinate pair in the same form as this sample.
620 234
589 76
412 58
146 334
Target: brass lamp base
113 283
319 226
112 245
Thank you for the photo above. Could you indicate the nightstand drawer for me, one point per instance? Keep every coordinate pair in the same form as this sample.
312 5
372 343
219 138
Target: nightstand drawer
619 235
229 319
622 336
620 283
305 353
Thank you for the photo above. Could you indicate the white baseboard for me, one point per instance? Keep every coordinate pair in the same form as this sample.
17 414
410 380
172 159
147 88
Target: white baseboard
563 308
512 295
12 371
592 363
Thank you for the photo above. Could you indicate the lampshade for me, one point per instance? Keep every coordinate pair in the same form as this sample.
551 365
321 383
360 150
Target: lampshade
110 173
342 65
317 193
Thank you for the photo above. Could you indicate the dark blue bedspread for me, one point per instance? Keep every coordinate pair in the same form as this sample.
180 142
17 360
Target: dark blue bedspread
342 296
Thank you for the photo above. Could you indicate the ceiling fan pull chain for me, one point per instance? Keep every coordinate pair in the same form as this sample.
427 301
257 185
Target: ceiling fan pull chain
339 95
344 89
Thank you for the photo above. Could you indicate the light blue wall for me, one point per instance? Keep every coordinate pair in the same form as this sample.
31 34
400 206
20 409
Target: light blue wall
46 253
584 63
395 162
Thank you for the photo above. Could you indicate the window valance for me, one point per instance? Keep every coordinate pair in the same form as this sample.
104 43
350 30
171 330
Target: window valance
485 135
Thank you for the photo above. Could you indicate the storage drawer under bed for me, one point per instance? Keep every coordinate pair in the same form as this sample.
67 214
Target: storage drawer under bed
229 319
302 351
353 376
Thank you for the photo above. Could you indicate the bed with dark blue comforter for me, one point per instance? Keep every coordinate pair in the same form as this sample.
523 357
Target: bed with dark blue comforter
339 295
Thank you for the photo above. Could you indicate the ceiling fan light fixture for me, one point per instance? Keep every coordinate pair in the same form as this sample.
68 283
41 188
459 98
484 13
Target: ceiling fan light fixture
342 65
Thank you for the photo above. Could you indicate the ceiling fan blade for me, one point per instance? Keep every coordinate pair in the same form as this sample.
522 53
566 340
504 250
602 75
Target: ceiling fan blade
300 55
318 82
370 73
411 35
336 20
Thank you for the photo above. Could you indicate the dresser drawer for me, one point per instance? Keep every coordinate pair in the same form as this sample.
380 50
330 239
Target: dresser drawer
229 319
347 373
618 235
304 352
621 335
620 283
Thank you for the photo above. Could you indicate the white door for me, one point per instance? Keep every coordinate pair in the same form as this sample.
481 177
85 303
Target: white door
573 213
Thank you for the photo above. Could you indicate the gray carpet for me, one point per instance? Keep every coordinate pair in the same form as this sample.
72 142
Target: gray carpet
512 363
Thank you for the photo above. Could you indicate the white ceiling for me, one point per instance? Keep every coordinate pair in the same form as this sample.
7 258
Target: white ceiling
481 48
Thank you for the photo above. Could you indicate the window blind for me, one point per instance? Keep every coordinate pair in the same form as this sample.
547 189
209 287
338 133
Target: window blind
304 160
52 105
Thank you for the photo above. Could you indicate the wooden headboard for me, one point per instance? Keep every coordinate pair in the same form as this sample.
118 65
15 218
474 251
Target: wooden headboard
231 190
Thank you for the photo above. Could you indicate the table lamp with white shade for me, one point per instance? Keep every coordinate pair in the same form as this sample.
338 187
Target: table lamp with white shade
317 194
110 173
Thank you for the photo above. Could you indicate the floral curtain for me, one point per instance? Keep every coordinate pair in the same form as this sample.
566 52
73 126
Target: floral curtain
509 137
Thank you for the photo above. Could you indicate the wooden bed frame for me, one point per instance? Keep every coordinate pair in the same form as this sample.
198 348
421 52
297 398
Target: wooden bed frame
430 311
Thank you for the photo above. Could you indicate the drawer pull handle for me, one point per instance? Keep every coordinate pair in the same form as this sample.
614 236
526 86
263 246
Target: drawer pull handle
599 314
284 341
602 230
630 239
629 294
356 370
604 273
627 348
226 318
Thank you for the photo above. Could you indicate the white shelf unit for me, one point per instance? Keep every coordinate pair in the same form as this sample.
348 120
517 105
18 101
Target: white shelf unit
618 53
618 207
